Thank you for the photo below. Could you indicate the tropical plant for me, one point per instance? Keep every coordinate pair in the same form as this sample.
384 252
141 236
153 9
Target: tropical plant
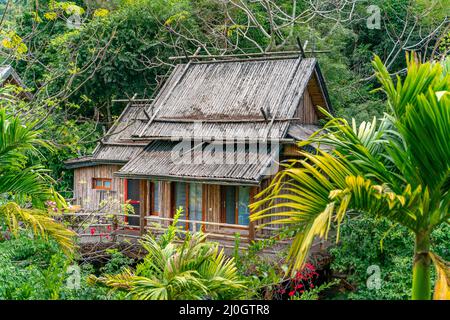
367 244
24 188
175 268
37 269
396 169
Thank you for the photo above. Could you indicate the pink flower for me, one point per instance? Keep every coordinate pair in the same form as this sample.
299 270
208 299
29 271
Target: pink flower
93 231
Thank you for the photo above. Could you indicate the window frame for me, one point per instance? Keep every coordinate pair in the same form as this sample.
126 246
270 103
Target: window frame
102 187
186 204
223 214
154 184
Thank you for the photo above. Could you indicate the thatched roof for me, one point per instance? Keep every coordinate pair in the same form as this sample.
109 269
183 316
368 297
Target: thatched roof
255 99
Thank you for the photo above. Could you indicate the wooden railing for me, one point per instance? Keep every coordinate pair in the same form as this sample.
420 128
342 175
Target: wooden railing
219 230
111 227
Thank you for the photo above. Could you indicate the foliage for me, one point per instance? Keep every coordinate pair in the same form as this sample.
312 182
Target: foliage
398 169
26 185
36 268
315 292
192 269
265 274
366 242
117 262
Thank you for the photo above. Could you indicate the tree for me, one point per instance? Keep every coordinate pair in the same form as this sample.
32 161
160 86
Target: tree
398 169
178 269
25 184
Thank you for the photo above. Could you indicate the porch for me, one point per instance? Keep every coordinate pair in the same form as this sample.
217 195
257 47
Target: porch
103 227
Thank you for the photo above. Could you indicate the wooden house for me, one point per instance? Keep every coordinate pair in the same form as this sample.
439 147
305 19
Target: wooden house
271 102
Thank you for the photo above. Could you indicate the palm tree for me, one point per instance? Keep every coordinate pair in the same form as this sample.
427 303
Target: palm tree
396 168
178 269
25 189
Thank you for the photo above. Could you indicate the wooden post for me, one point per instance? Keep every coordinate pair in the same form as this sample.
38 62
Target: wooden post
143 206
251 224
115 226
251 231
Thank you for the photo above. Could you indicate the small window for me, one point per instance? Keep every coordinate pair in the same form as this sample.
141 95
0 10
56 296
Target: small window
101 183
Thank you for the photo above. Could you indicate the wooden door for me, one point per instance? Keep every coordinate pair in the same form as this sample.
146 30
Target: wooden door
133 197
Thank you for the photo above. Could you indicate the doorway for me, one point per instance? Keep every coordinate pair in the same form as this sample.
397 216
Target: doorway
132 196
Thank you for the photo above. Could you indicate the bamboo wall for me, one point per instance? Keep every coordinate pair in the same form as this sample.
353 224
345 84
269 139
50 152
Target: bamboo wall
93 199
110 201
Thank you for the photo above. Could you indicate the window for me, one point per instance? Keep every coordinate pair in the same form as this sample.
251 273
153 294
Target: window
102 183
155 207
243 202
195 205
180 198
235 205
189 197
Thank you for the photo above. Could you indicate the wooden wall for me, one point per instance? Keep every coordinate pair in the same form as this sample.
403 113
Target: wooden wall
306 110
315 92
91 199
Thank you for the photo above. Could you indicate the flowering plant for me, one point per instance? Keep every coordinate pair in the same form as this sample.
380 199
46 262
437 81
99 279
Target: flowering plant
301 282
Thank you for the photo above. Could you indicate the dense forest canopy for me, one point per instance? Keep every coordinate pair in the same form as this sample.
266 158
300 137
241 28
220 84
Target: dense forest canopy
76 57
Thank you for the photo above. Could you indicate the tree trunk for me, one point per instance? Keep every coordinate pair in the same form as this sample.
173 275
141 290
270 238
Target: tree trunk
421 288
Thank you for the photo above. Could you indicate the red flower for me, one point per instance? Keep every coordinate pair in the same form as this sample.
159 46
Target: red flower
311 285
309 266
299 286
93 231
299 276
291 293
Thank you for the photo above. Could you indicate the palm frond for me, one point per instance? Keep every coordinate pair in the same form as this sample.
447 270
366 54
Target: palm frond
396 167
192 269
39 222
